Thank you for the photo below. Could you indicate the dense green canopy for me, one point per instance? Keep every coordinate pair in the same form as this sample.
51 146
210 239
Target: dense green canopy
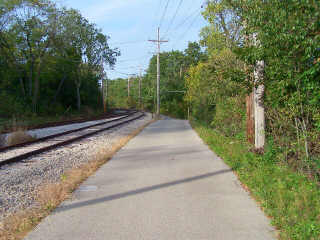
50 58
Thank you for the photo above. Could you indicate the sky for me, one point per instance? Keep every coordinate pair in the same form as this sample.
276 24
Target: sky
131 23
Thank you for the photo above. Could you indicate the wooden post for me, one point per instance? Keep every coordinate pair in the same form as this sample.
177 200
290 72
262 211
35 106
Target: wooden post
250 118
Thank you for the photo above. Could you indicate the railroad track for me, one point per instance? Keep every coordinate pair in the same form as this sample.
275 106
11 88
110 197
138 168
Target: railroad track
22 151
114 113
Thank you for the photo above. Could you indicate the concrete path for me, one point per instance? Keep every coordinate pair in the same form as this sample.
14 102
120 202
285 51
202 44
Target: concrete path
165 184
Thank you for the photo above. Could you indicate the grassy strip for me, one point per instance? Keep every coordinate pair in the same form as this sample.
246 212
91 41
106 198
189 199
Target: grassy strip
289 198
52 195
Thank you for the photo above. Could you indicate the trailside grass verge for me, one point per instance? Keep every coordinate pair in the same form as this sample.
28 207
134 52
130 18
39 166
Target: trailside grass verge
49 196
290 199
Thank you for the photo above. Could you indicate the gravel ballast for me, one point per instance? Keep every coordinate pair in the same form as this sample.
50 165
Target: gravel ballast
19 181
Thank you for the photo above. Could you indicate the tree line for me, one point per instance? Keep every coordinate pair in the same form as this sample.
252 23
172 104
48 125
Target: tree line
51 58
216 76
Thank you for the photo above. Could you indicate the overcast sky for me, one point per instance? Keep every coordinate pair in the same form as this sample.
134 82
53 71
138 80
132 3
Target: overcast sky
131 23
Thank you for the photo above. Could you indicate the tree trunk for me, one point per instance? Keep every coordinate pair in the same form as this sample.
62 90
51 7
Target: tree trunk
59 89
31 77
104 95
22 87
36 88
78 96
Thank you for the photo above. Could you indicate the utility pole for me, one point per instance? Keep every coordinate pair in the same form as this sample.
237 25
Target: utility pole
158 41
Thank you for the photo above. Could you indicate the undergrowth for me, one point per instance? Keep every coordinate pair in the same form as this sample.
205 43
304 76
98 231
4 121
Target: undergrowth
289 198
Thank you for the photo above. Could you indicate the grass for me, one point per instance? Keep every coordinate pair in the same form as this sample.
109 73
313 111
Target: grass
49 196
290 199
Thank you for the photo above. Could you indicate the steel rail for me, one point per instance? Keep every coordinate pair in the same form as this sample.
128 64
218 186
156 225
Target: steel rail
7 148
63 143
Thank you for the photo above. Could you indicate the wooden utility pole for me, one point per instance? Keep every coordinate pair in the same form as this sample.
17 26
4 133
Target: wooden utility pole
158 41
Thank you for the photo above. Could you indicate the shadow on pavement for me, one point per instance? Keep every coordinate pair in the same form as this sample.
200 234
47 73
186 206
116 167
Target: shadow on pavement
139 191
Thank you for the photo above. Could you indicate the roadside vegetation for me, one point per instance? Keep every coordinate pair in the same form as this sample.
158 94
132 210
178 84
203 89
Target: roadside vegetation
217 74
288 197
50 63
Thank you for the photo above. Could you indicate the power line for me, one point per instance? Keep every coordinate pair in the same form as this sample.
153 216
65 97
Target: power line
127 74
187 30
133 59
156 14
164 13
174 16
186 19
130 42
194 14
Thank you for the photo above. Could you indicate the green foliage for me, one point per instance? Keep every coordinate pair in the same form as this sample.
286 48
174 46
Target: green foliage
287 39
289 198
214 89
283 180
118 93
173 68
50 58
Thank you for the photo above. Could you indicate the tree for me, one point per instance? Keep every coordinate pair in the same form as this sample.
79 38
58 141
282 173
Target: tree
44 50
85 46
34 27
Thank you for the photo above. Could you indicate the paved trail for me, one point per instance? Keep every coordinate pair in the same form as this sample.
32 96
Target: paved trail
165 184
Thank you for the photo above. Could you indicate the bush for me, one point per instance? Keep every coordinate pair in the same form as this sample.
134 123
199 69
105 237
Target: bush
229 117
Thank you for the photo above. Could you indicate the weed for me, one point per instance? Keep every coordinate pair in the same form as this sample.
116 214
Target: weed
290 198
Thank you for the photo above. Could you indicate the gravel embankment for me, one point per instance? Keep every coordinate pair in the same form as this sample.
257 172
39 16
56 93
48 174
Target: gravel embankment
19 181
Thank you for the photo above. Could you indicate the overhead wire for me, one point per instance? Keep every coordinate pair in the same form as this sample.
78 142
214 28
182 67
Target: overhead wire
164 13
127 74
188 28
133 59
173 18
185 20
156 14
129 42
